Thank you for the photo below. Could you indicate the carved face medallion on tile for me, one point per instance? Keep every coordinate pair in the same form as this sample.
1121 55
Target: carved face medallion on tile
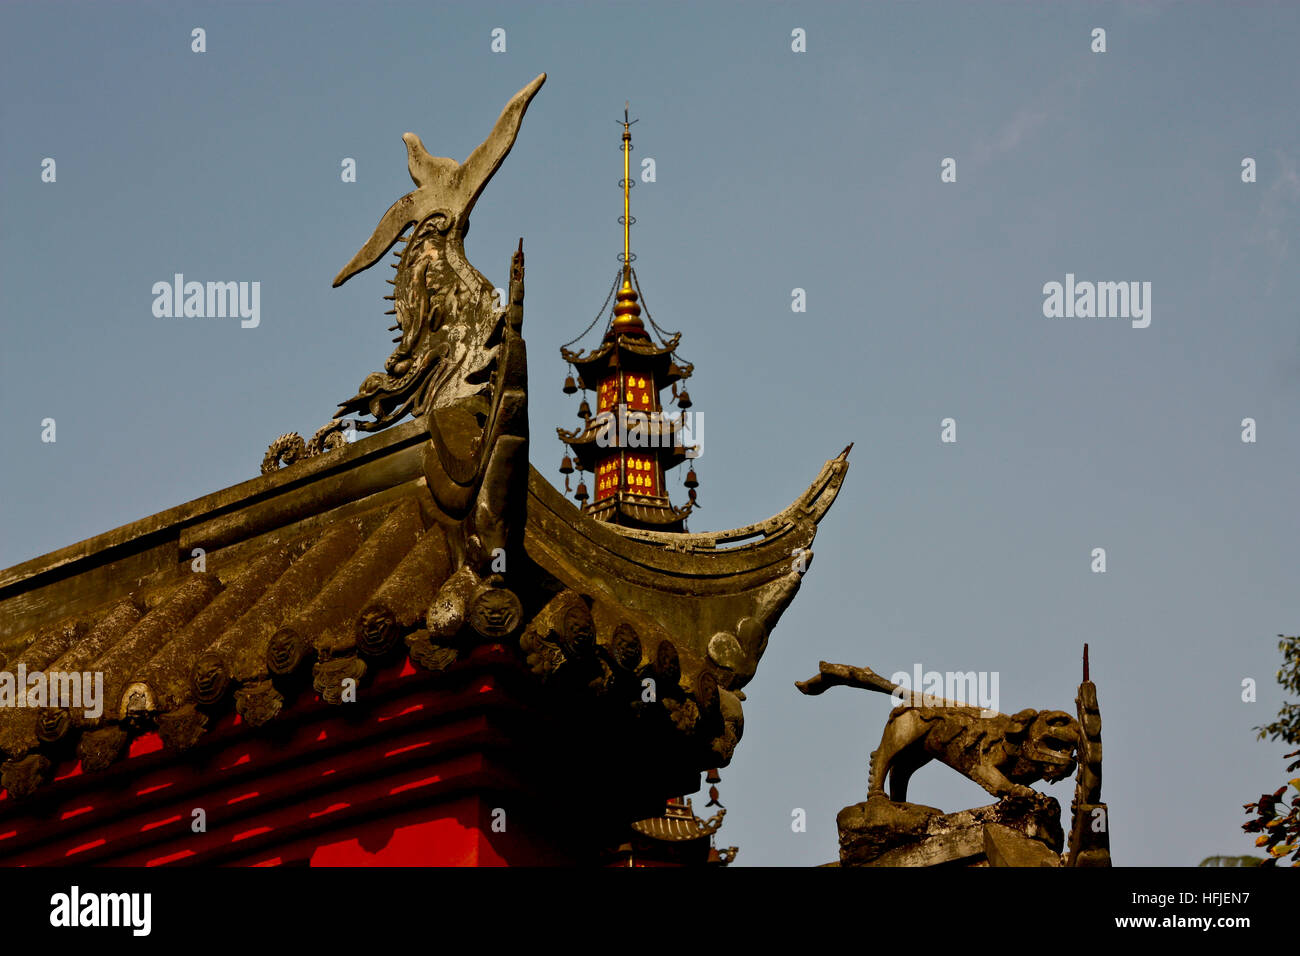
494 612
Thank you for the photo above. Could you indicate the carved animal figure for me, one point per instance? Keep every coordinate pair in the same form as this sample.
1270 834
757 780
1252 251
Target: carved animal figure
445 313
1002 753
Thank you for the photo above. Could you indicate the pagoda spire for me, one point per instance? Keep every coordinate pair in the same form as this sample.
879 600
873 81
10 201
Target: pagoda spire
627 314
627 192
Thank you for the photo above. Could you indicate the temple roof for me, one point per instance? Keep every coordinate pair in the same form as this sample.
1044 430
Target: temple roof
324 567
284 578
261 614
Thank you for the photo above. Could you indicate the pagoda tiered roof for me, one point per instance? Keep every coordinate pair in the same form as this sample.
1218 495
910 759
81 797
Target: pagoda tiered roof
662 436
605 357
679 824
645 510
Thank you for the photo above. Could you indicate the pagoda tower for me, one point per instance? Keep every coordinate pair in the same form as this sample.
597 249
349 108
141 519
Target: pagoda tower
629 444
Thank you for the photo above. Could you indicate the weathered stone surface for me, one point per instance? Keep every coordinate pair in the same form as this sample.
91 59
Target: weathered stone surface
1090 824
328 678
430 656
724 650
400 604
181 729
22 777
881 832
258 702
99 748
1006 847
76 579
163 623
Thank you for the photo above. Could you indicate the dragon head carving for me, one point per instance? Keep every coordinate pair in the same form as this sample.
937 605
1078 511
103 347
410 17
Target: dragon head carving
444 307
1047 742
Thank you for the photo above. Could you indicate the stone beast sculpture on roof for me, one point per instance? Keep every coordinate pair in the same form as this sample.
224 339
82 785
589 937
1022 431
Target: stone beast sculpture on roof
1002 753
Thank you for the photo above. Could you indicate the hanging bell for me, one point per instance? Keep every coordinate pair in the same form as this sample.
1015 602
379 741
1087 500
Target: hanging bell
566 465
713 776
584 410
691 481
570 386
675 370
581 493
684 399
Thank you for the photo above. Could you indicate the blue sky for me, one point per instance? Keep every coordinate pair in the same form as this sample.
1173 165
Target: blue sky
775 170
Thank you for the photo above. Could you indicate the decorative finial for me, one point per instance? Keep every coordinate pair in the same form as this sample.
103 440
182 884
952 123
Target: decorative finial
627 314
443 185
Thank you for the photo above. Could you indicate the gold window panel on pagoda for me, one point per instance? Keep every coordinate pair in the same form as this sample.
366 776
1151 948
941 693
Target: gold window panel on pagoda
638 474
636 391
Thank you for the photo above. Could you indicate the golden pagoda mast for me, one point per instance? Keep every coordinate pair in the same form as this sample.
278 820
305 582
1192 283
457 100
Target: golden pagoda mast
627 314
627 192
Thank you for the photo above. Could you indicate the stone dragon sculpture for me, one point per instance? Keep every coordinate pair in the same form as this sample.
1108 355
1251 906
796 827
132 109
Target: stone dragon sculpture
446 314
